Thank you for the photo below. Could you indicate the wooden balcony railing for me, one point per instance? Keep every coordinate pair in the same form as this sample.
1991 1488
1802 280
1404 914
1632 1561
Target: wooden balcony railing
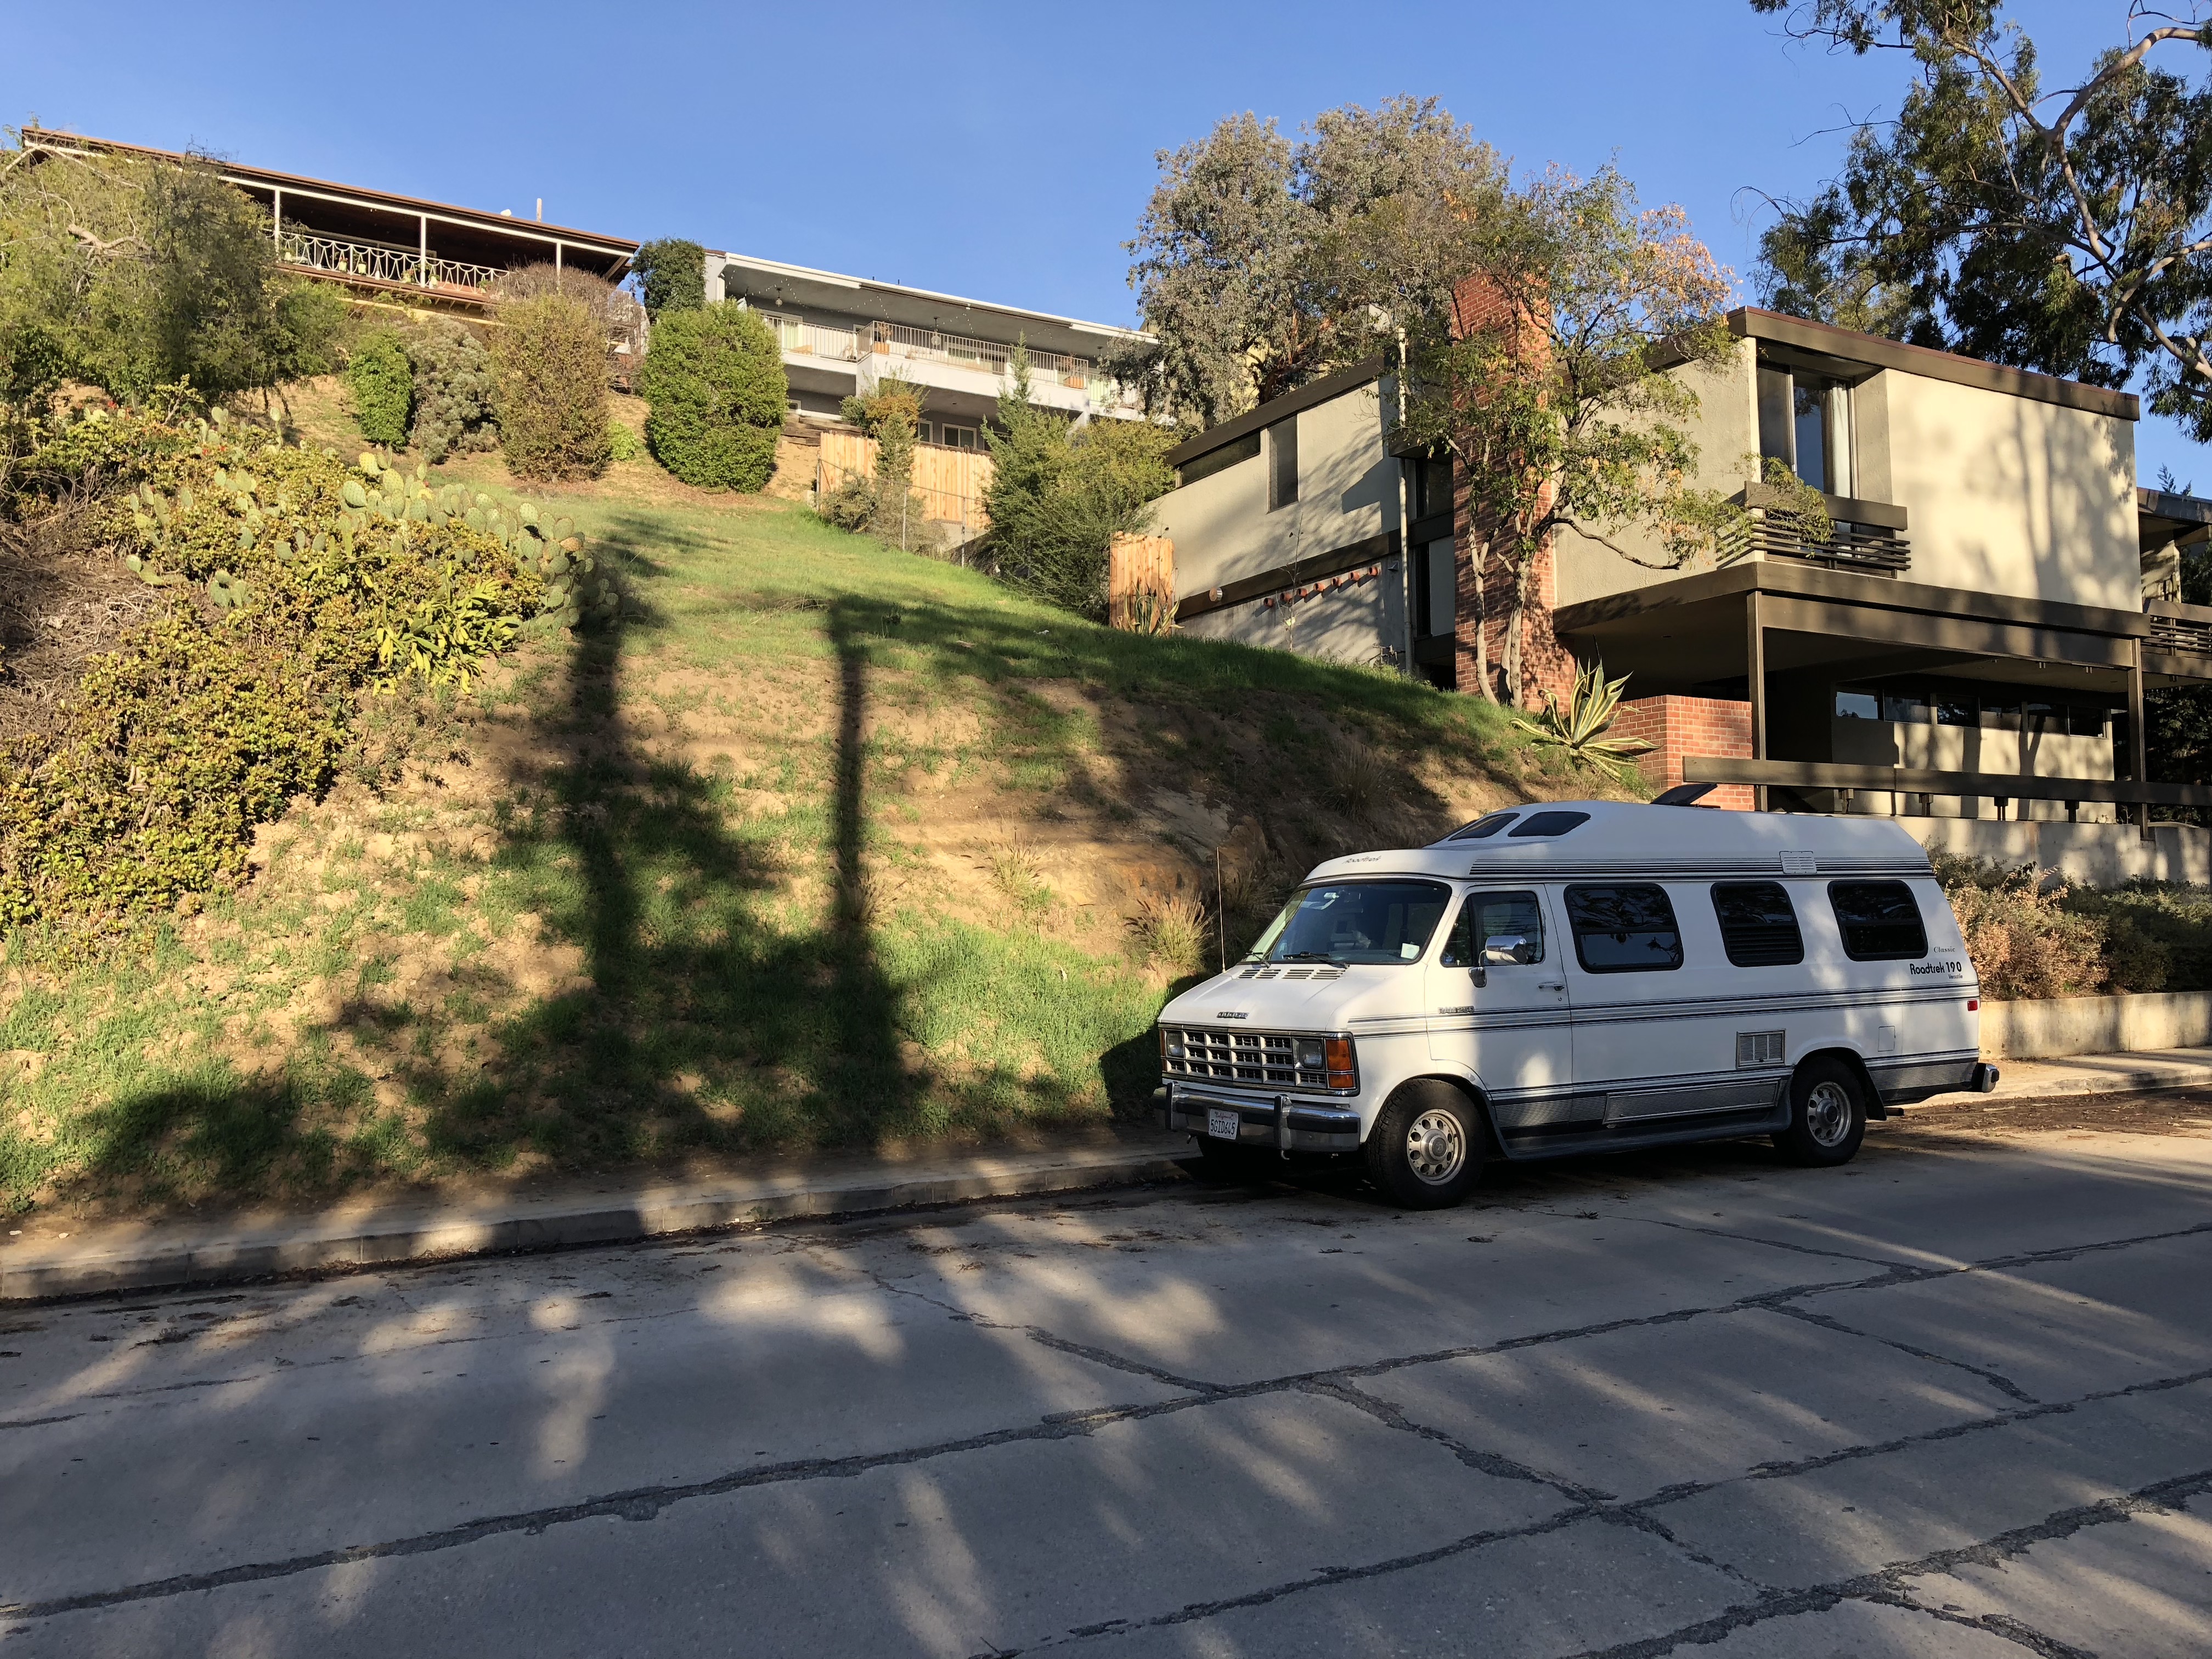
2183 628
378 263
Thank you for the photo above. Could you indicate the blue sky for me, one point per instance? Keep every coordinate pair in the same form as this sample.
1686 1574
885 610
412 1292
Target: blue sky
999 151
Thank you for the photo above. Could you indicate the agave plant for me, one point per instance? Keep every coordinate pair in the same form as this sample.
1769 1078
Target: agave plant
1579 727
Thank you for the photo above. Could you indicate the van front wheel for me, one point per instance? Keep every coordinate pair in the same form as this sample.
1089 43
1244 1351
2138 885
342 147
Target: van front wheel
1828 1115
1426 1149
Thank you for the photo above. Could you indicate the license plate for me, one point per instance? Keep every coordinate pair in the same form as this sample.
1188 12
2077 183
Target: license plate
1222 1126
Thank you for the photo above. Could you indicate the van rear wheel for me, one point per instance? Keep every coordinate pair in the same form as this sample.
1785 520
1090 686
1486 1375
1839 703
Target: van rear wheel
1828 1115
1426 1149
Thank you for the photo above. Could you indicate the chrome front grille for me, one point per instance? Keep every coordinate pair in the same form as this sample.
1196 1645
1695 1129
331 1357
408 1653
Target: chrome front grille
1265 1060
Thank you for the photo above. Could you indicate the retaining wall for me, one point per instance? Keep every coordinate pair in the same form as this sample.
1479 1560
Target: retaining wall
2051 1027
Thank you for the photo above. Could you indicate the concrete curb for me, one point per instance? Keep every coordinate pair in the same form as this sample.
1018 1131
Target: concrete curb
155 1257
166 1256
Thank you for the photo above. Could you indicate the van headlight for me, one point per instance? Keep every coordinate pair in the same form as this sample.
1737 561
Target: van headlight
1312 1054
1170 1044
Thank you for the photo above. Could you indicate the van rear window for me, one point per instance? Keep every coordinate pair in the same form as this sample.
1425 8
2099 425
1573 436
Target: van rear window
1624 928
1879 920
1758 927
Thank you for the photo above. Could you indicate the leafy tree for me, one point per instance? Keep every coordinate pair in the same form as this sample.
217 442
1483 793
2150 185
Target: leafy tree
1059 494
549 356
883 505
1262 263
713 378
133 273
671 275
382 381
2066 230
1547 382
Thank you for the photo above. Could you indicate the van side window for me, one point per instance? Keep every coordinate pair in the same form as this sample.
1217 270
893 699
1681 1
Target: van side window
1879 920
1757 924
1486 916
1623 928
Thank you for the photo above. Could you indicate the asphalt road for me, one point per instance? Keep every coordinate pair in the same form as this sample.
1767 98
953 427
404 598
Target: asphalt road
1956 1399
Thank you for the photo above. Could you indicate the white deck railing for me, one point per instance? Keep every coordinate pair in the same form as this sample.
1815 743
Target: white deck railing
384 265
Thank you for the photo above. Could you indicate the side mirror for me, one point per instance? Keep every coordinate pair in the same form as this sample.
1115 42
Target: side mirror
1503 948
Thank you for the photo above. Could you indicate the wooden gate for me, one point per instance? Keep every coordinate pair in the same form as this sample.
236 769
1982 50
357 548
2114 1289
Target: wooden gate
1140 583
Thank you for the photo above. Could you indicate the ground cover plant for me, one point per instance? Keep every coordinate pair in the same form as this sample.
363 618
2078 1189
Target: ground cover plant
816 844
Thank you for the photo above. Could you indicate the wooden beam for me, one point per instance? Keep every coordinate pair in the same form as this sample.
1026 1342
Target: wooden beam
1917 781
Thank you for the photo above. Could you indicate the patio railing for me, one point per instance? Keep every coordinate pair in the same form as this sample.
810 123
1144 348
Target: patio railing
378 263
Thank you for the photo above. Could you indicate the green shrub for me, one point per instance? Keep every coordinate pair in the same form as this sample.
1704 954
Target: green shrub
671 275
549 359
714 380
622 443
455 398
291 581
1058 495
382 380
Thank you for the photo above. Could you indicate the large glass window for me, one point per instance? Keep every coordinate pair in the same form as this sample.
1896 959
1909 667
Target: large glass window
1487 916
1355 921
1624 928
1759 929
1879 920
1805 423
1482 829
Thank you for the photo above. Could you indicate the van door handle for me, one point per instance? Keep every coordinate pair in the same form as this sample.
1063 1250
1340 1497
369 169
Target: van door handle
1551 985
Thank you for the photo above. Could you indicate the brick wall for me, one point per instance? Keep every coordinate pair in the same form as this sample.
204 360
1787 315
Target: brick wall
1688 725
1547 665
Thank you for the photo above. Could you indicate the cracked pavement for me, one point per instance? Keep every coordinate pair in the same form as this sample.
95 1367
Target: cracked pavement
1955 1399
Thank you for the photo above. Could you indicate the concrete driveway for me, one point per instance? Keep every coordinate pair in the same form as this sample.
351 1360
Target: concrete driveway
1953 1399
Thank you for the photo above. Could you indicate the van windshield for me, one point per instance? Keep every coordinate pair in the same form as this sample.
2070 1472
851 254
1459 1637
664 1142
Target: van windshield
1355 921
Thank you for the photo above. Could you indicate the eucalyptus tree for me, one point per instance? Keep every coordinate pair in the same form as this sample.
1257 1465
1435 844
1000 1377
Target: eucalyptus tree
2065 227
1263 263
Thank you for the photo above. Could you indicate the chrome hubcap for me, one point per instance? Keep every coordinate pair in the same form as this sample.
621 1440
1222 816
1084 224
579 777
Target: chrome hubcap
1828 1114
1436 1146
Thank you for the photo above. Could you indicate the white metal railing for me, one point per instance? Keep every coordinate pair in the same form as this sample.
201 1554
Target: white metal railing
804 339
384 265
988 355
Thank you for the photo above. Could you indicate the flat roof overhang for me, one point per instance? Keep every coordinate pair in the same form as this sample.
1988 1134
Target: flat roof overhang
1691 633
770 282
356 213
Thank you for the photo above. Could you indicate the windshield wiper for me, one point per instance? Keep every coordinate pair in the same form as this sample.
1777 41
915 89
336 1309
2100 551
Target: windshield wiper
1310 956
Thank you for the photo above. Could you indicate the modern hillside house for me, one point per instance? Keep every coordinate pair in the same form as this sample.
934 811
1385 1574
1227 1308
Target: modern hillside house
841 334
1972 644
388 249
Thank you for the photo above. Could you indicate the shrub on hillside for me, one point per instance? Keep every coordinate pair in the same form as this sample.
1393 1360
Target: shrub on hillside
132 272
289 579
382 381
715 382
456 398
2030 934
548 358
1058 495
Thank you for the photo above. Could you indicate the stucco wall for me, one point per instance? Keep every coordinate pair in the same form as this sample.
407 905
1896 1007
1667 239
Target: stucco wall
1355 623
1347 492
1725 429
2006 494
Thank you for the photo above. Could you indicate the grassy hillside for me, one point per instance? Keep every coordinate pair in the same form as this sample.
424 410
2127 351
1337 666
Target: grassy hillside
824 845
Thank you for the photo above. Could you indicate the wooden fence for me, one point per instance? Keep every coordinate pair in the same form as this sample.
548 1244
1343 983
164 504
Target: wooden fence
1140 583
950 482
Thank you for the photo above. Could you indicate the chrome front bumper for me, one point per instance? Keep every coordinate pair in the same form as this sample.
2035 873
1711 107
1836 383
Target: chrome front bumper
1283 1122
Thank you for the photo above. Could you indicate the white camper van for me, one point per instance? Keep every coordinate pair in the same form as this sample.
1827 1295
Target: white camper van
1583 975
